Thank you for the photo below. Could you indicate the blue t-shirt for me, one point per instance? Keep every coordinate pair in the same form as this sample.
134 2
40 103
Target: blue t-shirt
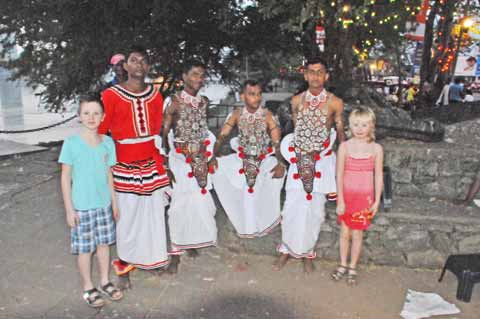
455 92
90 167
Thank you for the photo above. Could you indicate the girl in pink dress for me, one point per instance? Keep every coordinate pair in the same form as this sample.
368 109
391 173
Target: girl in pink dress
359 187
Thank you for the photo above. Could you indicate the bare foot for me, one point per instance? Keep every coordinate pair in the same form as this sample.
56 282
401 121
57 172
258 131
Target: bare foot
123 282
308 266
192 253
172 268
281 261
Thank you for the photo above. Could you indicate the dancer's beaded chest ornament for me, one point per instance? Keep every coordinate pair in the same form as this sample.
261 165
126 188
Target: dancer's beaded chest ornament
191 136
254 143
311 136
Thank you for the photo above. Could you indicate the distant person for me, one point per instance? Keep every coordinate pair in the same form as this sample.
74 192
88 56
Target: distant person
443 97
120 75
89 200
359 187
471 64
456 93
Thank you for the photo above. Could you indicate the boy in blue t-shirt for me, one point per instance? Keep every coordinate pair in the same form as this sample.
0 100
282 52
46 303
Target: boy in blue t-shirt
90 206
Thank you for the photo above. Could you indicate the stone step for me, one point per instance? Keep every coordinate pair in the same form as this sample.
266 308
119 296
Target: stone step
414 233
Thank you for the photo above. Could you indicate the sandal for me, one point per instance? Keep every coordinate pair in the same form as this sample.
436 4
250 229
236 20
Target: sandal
352 277
93 299
111 291
338 273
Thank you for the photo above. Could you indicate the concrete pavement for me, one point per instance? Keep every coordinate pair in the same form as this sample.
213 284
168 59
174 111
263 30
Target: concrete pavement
39 277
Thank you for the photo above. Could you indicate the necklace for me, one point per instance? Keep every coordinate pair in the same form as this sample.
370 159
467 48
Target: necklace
315 100
190 99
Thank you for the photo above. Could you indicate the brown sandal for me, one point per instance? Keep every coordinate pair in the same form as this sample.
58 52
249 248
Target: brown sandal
111 291
338 273
352 277
93 299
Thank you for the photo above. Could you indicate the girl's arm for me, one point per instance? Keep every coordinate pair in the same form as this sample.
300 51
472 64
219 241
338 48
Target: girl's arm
66 184
341 155
115 211
378 178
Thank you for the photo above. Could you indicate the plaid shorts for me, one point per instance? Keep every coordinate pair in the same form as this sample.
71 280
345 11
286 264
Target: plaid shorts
96 227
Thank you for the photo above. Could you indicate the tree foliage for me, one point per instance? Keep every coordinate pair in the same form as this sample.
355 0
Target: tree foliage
352 27
65 45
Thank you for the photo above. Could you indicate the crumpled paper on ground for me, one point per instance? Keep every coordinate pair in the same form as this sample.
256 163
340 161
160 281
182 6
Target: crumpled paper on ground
424 305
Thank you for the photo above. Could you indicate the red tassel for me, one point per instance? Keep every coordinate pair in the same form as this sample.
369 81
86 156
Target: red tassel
208 153
309 196
178 150
326 143
211 169
291 149
269 149
206 142
329 153
262 157
240 149
296 176
241 171
188 160
293 160
317 157
241 155
190 174
250 190
318 174
203 191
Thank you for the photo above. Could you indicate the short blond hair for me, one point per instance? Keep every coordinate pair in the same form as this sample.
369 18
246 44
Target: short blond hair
365 113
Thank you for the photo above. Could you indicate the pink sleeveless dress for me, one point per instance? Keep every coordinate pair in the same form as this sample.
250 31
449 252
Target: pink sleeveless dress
358 192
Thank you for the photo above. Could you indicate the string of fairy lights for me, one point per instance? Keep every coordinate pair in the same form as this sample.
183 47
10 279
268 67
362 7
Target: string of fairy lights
376 18
373 18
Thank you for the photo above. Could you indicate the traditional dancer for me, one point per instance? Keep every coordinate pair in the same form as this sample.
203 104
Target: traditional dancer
359 187
133 115
190 147
248 183
312 173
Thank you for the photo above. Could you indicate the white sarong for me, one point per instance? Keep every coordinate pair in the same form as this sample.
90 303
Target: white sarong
302 218
191 216
141 233
252 214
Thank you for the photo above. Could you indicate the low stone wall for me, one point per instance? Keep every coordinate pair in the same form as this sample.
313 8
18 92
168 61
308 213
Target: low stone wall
416 233
441 170
422 228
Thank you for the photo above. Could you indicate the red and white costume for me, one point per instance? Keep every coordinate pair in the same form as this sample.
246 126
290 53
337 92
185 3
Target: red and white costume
254 210
310 177
191 216
134 121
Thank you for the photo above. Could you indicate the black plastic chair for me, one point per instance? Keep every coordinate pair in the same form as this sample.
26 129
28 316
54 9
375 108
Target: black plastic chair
467 270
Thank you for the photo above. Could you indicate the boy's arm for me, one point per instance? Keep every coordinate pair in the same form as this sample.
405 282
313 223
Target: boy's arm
338 118
340 169
167 123
294 104
66 184
230 122
378 178
276 135
115 210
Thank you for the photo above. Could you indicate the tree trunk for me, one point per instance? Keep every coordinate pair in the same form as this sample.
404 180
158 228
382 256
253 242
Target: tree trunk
426 67
446 42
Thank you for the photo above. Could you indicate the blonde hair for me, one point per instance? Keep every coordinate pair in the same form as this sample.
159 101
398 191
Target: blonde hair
364 113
